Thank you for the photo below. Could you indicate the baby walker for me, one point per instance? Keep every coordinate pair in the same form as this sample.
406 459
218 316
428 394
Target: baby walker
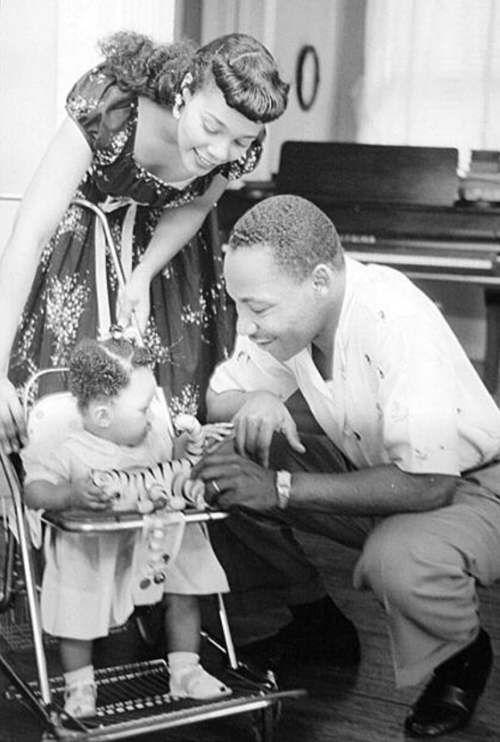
133 698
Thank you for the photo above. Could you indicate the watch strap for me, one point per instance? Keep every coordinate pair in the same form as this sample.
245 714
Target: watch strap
283 488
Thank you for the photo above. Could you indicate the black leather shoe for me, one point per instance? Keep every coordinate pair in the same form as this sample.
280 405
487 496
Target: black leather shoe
319 633
449 700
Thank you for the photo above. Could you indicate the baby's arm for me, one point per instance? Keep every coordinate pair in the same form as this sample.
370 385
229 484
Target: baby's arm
53 482
78 494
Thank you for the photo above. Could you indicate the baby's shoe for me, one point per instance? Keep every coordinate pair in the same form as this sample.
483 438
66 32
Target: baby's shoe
196 682
80 700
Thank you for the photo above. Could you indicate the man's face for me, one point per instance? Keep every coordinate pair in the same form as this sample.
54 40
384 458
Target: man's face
278 314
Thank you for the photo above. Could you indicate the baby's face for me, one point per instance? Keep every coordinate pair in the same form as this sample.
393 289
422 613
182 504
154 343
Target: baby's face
132 409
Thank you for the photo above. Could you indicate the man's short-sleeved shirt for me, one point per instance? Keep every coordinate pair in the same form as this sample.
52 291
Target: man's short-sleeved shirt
402 390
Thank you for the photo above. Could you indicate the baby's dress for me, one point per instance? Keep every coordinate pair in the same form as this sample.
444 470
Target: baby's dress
89 583
191 325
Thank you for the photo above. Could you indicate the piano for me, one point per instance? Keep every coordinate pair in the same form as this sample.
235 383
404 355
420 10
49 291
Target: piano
398 206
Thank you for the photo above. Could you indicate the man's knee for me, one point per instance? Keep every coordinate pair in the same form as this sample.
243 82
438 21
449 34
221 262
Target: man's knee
403 564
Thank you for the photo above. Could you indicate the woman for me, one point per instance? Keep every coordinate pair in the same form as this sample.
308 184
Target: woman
153 136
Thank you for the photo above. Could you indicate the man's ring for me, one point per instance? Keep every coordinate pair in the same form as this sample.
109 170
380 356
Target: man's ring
216 486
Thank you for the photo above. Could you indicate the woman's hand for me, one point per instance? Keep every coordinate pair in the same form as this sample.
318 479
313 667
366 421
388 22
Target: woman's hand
13 433
133 306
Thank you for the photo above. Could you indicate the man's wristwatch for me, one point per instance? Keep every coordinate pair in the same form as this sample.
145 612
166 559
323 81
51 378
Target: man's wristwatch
283 488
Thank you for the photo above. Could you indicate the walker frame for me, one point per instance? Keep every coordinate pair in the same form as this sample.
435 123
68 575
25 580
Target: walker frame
145 705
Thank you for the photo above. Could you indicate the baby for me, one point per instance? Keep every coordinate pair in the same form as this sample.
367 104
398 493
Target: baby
90 582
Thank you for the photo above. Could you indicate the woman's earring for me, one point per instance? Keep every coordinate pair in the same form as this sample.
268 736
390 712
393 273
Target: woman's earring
178 103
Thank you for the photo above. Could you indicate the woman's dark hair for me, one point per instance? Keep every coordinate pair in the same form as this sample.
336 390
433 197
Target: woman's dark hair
239 65
103 368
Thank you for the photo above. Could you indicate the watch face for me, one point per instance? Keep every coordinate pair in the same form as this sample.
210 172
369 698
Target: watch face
307 77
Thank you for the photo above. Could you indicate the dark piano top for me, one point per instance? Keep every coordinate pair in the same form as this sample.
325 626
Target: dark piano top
380 190
382 174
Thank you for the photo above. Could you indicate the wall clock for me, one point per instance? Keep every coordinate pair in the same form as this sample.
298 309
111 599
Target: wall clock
307 77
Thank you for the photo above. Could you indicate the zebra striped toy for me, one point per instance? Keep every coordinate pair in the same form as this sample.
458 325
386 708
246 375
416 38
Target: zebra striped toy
167 485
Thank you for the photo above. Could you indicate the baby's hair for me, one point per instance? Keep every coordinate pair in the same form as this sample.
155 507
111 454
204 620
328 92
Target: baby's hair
103 368
299 234
239 65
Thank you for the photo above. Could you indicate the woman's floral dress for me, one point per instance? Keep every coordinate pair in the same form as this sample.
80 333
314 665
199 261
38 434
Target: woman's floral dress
74 292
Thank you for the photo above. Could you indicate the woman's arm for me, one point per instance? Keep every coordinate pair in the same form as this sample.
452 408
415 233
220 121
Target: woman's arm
46 199
174 230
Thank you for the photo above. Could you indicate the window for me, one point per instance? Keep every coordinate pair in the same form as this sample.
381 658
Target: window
432 74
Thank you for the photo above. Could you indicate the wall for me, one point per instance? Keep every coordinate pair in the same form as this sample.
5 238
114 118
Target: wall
284 26
28 100
33 87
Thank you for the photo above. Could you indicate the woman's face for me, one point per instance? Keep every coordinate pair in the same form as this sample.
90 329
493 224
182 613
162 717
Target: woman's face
210 133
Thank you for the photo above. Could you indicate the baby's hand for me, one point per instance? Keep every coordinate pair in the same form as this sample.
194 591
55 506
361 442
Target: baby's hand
215 433
88 496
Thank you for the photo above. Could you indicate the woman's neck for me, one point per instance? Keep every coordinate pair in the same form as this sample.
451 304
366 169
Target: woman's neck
155 146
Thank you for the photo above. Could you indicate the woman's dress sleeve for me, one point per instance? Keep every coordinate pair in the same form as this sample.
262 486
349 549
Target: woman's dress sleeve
99 108
245 165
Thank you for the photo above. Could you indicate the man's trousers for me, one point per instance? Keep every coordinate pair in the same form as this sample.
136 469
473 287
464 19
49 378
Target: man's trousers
423 568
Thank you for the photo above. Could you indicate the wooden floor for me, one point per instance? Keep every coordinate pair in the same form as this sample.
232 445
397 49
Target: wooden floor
365 706
341 706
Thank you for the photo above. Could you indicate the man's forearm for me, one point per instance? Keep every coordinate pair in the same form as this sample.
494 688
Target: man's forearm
222 407
378 491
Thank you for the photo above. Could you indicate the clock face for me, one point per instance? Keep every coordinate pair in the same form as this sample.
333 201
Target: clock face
307 77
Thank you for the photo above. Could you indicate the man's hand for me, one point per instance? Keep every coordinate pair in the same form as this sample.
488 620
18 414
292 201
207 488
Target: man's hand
13 433
232 480
255 423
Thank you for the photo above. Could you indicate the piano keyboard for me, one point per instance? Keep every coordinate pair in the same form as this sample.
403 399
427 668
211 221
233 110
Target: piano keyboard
431 261
434 260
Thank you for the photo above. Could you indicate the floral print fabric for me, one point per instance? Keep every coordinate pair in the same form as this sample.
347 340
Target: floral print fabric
191 325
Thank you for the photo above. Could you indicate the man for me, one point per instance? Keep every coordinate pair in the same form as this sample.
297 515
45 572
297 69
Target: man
406 469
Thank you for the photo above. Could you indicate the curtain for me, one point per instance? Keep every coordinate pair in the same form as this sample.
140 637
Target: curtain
431 74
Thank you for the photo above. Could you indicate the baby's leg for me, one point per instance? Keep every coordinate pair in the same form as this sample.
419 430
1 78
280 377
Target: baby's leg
182 623
75 654
188 679
80 692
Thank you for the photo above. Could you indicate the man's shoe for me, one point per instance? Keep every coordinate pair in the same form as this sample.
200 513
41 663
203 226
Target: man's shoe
319 633
449 700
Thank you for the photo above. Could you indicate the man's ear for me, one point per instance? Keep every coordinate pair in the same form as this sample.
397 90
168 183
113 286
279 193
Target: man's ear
321 279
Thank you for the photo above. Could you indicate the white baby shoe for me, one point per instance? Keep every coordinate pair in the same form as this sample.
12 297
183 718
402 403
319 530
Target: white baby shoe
196 682
80 700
